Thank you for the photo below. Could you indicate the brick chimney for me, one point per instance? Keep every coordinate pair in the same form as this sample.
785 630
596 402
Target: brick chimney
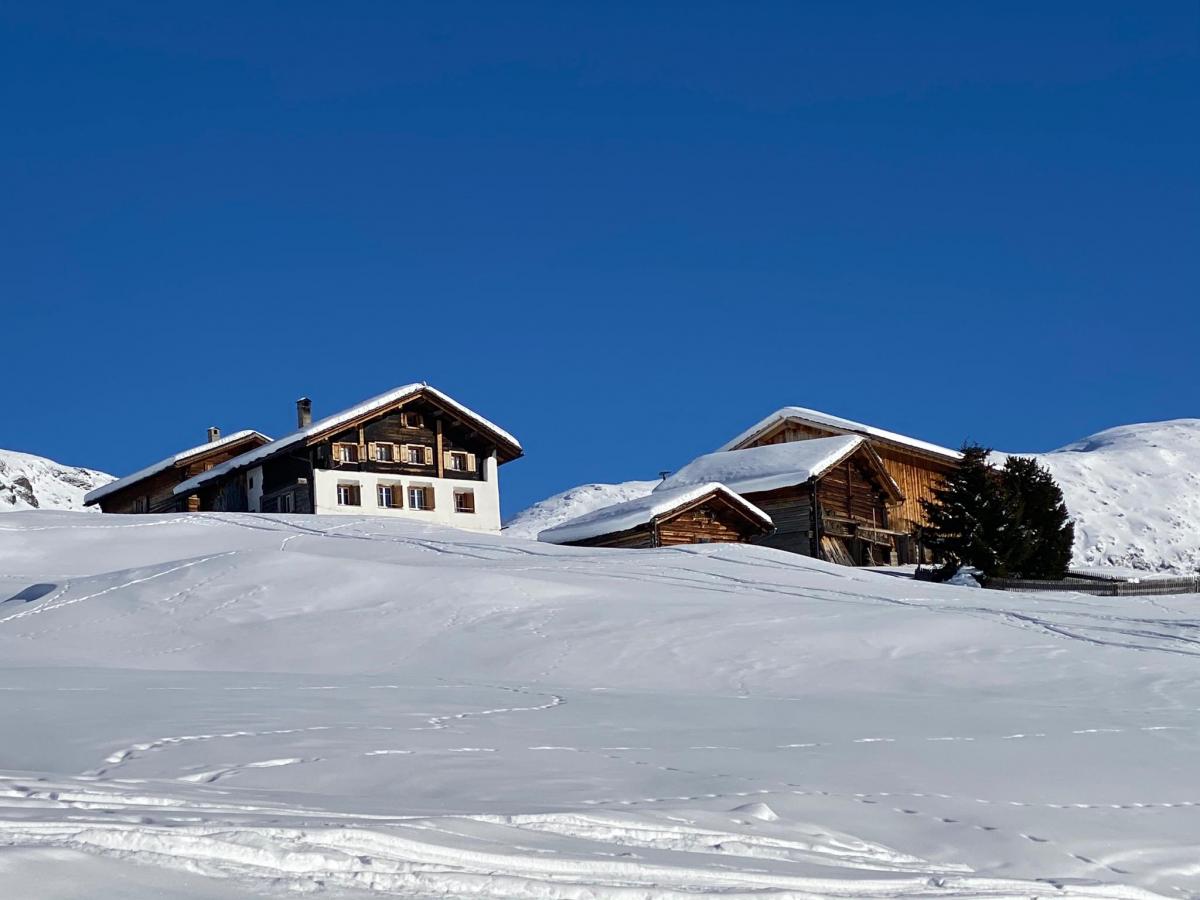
303 412
214 434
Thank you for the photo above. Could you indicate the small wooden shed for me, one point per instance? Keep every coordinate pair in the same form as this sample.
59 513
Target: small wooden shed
706 513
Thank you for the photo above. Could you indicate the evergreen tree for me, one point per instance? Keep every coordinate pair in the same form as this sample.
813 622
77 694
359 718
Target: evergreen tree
968 516
1039 544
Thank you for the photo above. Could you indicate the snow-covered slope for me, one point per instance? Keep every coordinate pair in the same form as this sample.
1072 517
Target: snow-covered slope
577 501
34 482
1134 493
369 708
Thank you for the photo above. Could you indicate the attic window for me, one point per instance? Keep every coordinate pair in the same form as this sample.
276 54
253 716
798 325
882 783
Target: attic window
412 420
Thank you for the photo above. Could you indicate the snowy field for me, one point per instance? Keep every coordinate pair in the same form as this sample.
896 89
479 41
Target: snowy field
214 706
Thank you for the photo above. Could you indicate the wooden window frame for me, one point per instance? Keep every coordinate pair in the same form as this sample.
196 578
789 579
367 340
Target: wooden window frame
467 493
350 487
397 492
427 503
374 451
426 454
468 459
407 420
337 453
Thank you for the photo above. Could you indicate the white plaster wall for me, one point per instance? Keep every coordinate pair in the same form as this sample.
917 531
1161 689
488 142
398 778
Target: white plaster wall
487 497
254 494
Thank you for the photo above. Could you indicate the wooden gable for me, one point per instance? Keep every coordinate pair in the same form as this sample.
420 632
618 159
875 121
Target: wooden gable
916 472
433 424
710 520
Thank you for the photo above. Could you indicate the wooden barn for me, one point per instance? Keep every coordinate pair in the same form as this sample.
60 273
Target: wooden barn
151 490
916 466
698 514
831 498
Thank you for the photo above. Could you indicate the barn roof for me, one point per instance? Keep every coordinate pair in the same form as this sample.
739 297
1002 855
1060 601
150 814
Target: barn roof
332 422
840 425
174 460
644 510
775 466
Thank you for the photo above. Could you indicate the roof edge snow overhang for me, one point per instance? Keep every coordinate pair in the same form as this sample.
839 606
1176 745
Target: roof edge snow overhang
508 447
600 524
178 459
838 425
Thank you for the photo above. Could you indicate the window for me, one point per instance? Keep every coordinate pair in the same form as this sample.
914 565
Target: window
416 455
348 495
385 452
458 461
139 505
388 496
345 453
283 503
464 501
420 498
412 420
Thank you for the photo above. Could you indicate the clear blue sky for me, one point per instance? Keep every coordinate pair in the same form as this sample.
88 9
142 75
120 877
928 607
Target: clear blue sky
623 231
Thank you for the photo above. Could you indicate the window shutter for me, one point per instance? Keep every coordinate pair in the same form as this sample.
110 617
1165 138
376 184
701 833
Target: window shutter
428 455
429 497
447 460
471 462
371 450
404 453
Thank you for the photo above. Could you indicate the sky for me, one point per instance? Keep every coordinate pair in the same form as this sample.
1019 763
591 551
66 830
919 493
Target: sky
622 231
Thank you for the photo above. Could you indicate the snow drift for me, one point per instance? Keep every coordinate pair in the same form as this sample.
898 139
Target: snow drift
572 503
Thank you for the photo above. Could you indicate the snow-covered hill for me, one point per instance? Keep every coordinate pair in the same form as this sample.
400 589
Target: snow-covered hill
1134 493
34 482
252 705
577 501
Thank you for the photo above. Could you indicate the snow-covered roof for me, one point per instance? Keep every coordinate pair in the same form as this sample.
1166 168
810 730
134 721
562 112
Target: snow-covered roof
346 415
769 467
825 420
643 510
163 464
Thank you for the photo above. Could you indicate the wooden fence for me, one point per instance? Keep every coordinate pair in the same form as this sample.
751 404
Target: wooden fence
1147 588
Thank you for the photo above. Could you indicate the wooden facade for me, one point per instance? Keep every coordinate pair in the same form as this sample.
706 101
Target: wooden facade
842 514
917 471
711 519
154 492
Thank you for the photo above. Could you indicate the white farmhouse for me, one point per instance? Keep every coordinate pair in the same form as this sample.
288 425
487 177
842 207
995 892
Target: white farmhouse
412 453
